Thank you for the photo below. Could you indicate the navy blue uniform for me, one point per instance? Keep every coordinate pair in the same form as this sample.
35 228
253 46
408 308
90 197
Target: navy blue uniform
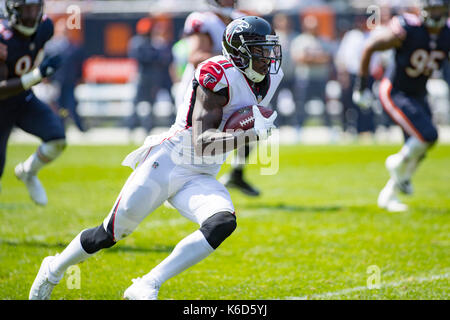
403 91
25 110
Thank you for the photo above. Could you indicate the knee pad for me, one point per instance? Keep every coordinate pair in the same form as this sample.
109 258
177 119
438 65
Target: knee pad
52 149
218 227
95 239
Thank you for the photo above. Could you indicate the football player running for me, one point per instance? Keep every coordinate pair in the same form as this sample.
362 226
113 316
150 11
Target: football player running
421 44
22 38
180 165
204 32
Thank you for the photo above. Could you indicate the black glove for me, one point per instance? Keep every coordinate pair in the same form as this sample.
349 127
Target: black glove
360 84
50 65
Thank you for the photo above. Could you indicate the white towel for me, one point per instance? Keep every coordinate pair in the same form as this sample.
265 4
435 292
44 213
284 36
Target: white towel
133 159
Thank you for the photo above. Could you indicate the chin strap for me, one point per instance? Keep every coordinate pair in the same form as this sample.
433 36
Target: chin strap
27 31
252 74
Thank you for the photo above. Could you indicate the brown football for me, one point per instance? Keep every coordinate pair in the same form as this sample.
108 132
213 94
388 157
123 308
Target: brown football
243 118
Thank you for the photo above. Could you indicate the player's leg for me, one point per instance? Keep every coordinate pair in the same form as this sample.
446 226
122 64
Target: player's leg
414 117
5 131
39 120
301 96
417 149
420 135
235 179
202 200
145 190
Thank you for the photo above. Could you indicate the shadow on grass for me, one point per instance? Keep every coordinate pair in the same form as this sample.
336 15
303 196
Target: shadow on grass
292 207
61 246
16 206
432 210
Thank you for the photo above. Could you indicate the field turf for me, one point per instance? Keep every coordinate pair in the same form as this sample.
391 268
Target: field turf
314 233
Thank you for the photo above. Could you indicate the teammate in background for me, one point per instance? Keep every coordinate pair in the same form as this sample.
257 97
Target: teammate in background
204 32
22 39
180 165
421 44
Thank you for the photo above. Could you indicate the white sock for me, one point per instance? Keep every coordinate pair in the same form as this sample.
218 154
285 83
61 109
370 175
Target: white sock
413 148
412 166
412 154
33 164
72 255
187 253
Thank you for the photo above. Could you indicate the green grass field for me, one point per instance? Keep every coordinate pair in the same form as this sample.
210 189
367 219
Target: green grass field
314 233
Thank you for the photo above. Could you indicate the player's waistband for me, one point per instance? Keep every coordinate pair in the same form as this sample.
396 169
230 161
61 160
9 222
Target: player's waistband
398 87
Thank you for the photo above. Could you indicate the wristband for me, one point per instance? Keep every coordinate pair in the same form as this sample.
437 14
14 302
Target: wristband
31 78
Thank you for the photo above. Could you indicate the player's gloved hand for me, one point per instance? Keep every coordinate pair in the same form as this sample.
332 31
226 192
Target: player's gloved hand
263 126
50 65
362 95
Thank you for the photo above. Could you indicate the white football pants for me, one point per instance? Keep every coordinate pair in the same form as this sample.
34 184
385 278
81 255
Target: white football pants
195 195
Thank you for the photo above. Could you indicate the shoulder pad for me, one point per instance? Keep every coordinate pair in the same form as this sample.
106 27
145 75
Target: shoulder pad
211 75
398 26
195 23
46 28
412 20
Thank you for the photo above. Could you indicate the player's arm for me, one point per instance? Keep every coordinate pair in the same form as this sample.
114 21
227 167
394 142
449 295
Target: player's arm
200 48
14 86
383 41
206 119
8 87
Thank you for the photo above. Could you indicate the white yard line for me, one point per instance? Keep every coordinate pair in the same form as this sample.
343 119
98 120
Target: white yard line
365 288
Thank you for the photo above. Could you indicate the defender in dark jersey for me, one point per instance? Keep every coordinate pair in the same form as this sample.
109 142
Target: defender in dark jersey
22 65
422 44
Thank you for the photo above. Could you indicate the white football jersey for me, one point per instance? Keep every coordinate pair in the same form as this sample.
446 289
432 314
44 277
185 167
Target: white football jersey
215 74
206 23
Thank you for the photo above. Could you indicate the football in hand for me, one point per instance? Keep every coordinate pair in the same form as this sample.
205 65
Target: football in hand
243 118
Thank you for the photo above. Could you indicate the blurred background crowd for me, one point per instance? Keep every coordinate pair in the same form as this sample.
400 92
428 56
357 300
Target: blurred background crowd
124 60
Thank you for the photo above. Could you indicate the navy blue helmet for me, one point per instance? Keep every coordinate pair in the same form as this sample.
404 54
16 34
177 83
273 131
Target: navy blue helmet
24 15
434 13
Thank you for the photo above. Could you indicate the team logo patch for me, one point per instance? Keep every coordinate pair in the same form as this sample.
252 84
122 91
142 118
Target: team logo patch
209 78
